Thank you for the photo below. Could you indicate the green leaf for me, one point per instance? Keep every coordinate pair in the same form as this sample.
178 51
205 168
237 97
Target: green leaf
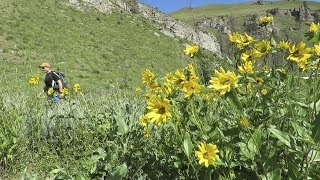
275 174
315 38
254 142
245 151
187 144
234 102
119 172
122 126
282 136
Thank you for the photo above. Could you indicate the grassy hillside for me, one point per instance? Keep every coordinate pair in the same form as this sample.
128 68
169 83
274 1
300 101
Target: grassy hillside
190 15
96 50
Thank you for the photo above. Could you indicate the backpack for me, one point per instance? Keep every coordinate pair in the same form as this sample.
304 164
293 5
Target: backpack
62 77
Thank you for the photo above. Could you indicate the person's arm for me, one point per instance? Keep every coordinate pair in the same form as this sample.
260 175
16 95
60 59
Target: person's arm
60 85
42 91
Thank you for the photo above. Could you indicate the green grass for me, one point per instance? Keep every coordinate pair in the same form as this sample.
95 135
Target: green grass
97 50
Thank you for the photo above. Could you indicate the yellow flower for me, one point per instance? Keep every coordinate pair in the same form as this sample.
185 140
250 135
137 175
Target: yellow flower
249 86
191 50
284 45
76 88
299 52
303 64
244 121
250 55
223 81
167 88
34 79
235 37
177 79
146 132
144 121
50 91
147 76
239 40
246 67
259 80
192 73
245 41
314 28
138 90
191 87
207 154
65 91
263 47
317 49
264 91
265 20
159 110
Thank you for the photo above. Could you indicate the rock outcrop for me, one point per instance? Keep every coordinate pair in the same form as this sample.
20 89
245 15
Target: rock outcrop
302 13
167 24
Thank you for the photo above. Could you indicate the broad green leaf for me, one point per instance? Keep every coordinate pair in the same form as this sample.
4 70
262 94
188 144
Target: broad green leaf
275 174
187 144
282 136
122 126
245 151
119 172
254 142
315 38
234 102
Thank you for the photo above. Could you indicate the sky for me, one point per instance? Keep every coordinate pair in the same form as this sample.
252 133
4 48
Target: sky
168 6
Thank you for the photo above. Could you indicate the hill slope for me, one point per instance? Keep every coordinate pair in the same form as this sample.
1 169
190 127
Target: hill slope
190 15
94 49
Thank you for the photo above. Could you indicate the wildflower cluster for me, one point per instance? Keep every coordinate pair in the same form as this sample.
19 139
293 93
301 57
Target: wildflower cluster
34 80
191 50
265 20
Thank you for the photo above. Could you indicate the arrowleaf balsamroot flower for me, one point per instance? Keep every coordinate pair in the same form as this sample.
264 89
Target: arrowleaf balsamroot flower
264 91
50 91
265 20
317 49
263 47
314 28
246 67
299 52
147 76
207 154
159 109
34 79
191 87
76 88
191 50
244 121
283 45
250 55
239 40
65 91
223 81
177 79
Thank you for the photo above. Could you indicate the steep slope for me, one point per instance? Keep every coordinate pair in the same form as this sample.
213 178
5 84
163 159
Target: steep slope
94 49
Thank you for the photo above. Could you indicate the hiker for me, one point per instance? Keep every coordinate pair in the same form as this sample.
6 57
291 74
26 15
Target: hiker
52 80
